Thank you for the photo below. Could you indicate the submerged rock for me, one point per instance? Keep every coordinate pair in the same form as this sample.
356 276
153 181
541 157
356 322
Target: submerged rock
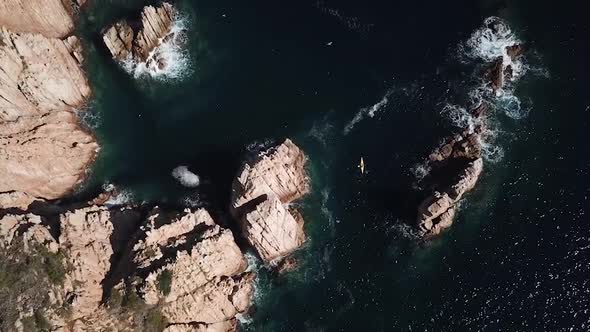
260 197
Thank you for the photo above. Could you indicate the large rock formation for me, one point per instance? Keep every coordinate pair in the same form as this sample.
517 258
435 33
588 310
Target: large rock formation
457 164
50 18
139 41
437 211
179 271
43 151
260 197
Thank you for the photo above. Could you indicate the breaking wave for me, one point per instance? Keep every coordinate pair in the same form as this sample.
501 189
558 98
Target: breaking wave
367 111
512 106
170 60
186 177
119 197
421 170
461 118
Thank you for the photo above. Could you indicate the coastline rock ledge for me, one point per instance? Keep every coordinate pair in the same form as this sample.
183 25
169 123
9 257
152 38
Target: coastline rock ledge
43 150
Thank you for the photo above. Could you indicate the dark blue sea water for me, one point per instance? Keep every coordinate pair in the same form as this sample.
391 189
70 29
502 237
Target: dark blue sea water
517 258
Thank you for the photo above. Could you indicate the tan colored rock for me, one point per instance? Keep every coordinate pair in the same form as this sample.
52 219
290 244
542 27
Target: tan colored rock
119 40
38 75
272 230
260 195
437 211
85 239
10 224
43 151
16 199
279 171
44 156
51 18
208 283
156 24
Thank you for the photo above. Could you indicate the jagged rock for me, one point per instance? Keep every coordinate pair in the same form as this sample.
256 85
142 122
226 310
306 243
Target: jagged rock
515 51
287 265
119 40
85 238
260 193
458 146
44 156
51 18
208 282
272 230
495 75
279 171
28 227
39 75
437 211
124 43
16 199
43 150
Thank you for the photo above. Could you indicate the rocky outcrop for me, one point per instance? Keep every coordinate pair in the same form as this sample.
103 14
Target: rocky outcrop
140 44
43 150
180 265
457 164
206 269
437 211
260 197
50 18
44 156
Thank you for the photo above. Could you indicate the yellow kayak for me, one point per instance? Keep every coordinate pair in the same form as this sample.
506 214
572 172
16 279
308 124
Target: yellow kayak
362 166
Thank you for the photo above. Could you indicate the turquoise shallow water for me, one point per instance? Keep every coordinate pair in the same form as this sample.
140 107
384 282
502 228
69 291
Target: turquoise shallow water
516 257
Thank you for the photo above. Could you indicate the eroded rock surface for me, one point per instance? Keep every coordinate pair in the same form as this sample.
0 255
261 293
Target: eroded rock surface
127 43
457 164
437 211
51 18
43 151
181 266
260 197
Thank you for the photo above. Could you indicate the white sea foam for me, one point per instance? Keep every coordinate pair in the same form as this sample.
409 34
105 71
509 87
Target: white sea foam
512 106
186 177
490 150
171 52
490 42
421 170
461 118
326 211
259 147
322 130
121 197
89 117
192 201
367 111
